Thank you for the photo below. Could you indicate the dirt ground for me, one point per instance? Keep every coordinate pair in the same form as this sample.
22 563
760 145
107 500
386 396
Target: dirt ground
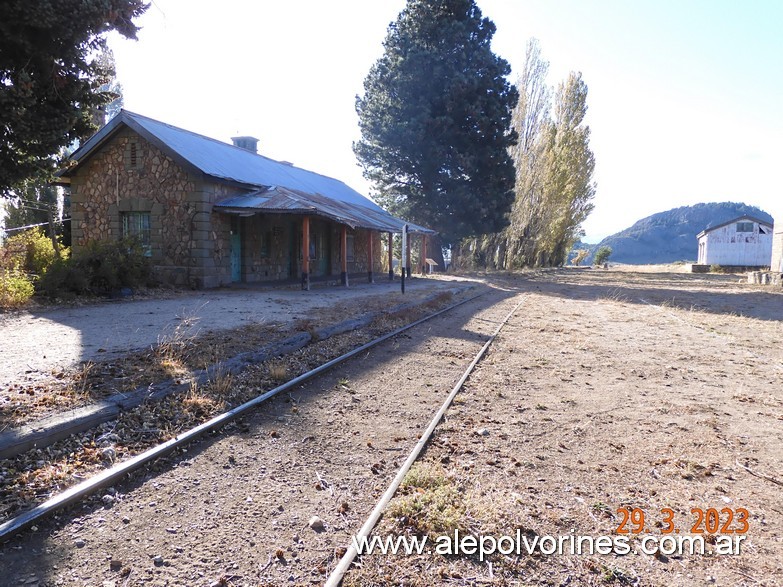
609 390
46 340
606 390
56 359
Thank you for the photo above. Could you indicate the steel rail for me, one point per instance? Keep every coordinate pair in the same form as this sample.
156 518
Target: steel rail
110 476
336 577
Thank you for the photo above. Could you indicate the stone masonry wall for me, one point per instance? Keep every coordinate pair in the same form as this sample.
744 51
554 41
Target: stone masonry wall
190 244
212 235
117 180
266 244
360 264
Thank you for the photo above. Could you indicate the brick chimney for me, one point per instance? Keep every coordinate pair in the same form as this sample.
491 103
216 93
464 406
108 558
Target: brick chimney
246 143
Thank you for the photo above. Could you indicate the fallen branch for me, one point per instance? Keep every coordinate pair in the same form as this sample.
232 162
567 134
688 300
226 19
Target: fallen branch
760 475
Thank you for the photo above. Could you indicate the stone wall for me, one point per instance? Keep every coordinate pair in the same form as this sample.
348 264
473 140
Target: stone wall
361 264
211 247
266 243
190 243
119 179
271 248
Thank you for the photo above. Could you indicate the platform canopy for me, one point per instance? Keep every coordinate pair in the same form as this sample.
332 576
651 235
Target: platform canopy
280 200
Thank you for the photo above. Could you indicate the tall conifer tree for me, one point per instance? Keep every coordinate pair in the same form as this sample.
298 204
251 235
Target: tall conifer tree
435 120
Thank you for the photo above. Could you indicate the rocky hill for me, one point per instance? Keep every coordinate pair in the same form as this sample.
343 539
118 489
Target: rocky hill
670 236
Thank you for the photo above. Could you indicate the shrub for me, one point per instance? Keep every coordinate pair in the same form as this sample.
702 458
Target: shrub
64 278
30 251
15 288
580 256
602 255
99 269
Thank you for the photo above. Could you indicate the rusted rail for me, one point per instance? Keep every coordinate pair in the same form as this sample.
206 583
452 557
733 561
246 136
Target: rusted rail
345 562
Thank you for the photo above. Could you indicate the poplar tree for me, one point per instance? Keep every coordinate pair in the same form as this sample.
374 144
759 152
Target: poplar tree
532 120
435 120
569 186
554 174
50 79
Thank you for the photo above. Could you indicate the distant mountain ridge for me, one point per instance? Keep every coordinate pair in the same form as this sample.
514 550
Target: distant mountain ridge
670 236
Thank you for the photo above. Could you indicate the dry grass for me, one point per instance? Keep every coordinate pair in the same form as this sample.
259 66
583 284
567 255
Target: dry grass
278 371
429 503
82 381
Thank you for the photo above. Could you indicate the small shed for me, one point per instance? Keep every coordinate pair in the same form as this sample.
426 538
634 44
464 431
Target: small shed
742 242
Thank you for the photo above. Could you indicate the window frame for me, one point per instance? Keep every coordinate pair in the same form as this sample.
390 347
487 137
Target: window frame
138 225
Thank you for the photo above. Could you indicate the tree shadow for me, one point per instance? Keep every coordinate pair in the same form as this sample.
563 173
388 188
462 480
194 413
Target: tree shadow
715 294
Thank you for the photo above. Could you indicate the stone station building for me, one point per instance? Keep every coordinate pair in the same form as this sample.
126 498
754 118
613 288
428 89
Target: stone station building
211 214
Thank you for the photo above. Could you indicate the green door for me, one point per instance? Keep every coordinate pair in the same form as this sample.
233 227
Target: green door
236 256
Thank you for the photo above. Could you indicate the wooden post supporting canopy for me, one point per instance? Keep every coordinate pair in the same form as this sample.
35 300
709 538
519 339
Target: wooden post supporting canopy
423 254
391 257
369 256
344 255
306 253
404 257
408 256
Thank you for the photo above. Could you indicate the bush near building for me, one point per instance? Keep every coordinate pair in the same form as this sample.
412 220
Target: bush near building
99 269
30 251
16 288
29 264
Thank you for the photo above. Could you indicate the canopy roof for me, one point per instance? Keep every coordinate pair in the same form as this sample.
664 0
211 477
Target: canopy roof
280 200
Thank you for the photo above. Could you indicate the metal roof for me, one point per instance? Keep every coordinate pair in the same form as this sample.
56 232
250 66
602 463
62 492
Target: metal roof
732 221
280 200
288 186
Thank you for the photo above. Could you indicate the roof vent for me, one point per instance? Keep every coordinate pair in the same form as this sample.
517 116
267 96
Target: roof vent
246 143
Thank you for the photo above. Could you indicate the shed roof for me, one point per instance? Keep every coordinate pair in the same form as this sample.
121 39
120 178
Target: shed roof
732 221
298 189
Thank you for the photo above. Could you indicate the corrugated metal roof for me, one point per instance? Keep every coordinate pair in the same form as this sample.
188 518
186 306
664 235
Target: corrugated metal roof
732 221
280 200
300 187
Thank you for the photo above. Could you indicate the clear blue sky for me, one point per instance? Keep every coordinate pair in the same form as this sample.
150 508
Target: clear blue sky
685 97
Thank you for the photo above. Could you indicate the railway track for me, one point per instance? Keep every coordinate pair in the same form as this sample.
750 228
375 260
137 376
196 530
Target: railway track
336 577
440 345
